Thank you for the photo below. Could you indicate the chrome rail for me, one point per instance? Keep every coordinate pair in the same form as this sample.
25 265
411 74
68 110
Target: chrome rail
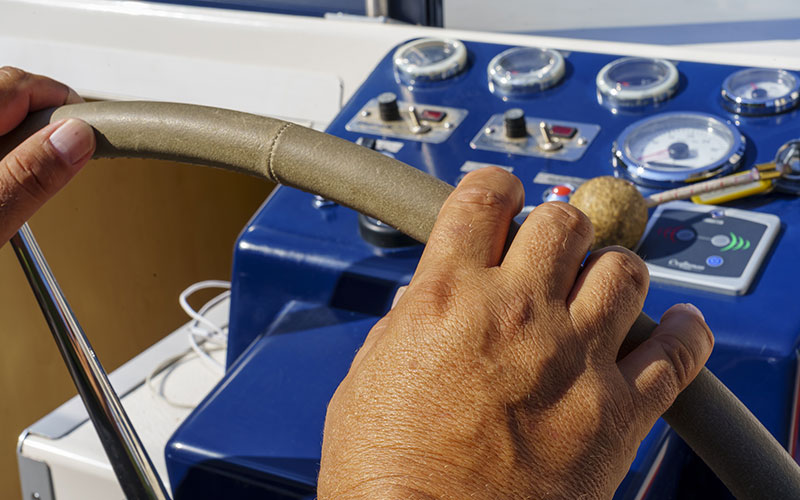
134 469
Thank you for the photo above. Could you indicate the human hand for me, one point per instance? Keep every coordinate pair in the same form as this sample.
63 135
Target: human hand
497 376
33 172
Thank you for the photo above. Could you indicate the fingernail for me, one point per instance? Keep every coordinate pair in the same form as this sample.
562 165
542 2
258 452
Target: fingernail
691 308
73 97
400 292
72 140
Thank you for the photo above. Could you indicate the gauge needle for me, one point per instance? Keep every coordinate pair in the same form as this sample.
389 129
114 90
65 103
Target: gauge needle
650 155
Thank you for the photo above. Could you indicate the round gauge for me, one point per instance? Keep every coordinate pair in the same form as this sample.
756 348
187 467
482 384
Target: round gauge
430 59
757 91
787 161
674 148
524 70
636 81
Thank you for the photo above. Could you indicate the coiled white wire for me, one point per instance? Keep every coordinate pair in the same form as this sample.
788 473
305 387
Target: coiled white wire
204 337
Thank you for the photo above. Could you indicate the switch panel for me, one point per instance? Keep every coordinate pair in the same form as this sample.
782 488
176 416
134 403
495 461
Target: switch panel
545 138
411 121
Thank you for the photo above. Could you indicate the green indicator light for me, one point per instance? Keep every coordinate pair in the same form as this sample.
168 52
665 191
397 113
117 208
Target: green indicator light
734 241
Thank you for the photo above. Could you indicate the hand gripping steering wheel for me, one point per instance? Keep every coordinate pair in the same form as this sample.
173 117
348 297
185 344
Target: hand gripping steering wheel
715 424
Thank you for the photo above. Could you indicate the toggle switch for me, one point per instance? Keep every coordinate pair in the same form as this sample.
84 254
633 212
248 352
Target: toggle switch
547 143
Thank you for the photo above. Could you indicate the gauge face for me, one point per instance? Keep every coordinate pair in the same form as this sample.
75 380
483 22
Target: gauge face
430 59
757 91
525 70
636 81
673 148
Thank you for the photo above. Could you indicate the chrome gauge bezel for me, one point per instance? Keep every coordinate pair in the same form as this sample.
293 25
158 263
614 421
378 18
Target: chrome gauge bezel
651 175
611 94
413 73
506 84
742 105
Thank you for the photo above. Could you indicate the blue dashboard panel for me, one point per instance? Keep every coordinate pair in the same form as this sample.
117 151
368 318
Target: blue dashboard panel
307 287
314 8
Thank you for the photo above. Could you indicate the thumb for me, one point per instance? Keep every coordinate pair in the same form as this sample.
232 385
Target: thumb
663 365
33 172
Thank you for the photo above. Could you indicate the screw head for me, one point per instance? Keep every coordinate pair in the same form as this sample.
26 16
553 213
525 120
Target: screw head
448 125
582 141
365 113
489 130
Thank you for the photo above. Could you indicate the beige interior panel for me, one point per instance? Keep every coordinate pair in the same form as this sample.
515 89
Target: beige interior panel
123 239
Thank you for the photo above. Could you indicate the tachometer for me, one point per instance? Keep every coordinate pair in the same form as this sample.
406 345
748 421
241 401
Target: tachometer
525 70
669 149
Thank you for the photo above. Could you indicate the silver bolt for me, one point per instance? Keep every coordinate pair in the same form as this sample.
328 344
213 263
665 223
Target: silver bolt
36 495
365 113
582 141
489 130
320 202
447 125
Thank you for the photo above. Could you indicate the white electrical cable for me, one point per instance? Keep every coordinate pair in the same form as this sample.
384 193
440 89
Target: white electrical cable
208 332
202 331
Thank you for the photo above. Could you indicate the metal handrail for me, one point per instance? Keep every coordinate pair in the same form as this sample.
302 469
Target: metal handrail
130 461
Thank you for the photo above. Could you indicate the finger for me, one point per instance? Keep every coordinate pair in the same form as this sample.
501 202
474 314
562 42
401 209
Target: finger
663 365
22 93
34 171
473 223
607 297
550 246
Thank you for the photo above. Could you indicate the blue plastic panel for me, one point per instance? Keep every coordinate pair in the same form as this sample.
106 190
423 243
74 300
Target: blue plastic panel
262 426
315 8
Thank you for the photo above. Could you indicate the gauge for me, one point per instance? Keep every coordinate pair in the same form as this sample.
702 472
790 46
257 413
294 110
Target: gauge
636 81
430 59
673 148
758 91
787 161
524 70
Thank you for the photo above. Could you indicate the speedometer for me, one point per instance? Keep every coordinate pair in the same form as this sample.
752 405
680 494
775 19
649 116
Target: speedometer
757 91
670 149
525 70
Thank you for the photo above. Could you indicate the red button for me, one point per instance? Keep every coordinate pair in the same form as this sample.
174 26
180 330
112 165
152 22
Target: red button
561 190
432 115
563 131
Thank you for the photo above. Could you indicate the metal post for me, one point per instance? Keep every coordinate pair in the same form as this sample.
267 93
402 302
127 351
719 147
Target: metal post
134 469
377 8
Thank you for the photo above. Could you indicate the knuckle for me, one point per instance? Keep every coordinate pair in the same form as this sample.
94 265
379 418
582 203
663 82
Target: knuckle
22 170
569 217
626 265
681 359
12 74
514 311
483 198
434 295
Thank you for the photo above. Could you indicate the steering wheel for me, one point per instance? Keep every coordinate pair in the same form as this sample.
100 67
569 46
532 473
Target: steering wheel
715 424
